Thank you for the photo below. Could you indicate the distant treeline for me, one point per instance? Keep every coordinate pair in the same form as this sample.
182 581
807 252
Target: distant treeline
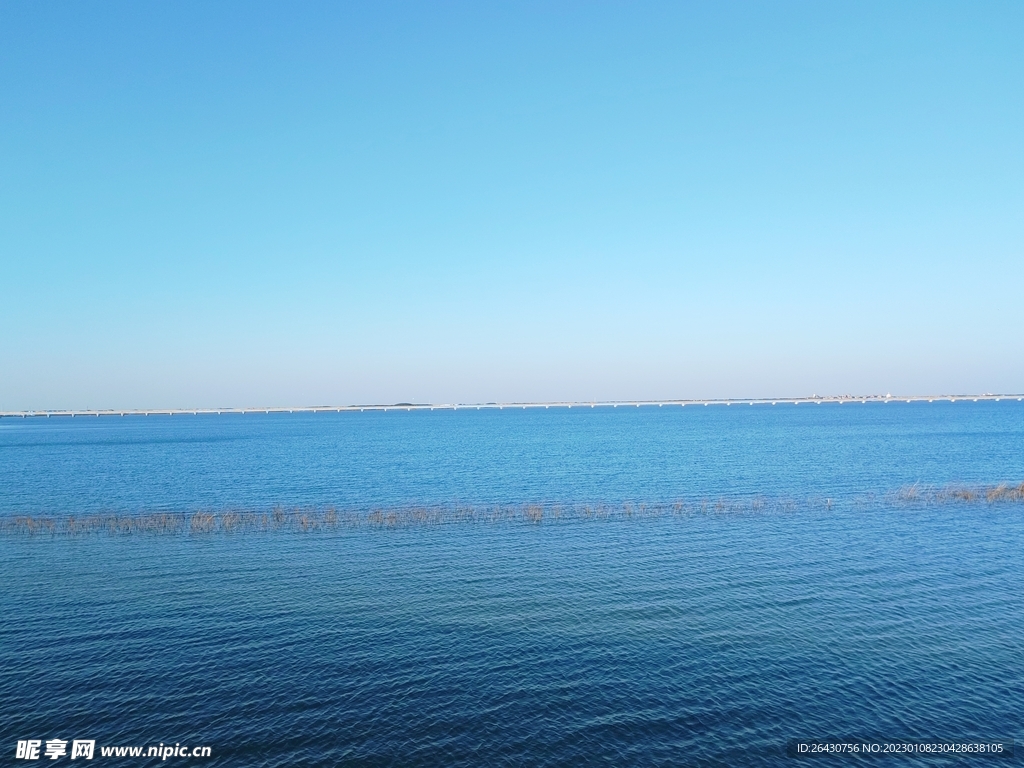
309 520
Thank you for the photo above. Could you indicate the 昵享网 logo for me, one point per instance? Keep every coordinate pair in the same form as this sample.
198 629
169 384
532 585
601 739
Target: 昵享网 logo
54 749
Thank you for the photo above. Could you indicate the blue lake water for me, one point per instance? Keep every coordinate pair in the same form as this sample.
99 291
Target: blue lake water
694 639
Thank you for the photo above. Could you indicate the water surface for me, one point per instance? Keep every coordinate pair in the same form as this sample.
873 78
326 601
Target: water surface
696 639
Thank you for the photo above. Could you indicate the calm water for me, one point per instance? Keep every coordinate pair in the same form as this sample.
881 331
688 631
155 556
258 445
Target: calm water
677 640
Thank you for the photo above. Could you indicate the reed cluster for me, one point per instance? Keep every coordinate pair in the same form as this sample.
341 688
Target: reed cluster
306 520
960 494
309 520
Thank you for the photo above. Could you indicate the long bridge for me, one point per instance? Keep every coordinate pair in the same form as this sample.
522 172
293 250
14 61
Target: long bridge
813 400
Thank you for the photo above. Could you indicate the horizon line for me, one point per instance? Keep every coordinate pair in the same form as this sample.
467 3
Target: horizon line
818 399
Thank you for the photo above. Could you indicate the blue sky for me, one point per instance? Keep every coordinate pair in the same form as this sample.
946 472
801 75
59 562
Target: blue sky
227 203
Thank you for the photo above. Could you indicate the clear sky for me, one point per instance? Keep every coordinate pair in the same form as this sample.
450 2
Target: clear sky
226 203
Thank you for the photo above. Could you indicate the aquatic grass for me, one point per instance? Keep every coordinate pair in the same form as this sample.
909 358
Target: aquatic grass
916 494
306 520
1005 492
310 520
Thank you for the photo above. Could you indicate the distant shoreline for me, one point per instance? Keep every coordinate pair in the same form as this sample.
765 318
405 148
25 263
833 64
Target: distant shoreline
833 399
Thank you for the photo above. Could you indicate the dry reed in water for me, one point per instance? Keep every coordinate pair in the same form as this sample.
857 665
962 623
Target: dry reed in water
310 520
